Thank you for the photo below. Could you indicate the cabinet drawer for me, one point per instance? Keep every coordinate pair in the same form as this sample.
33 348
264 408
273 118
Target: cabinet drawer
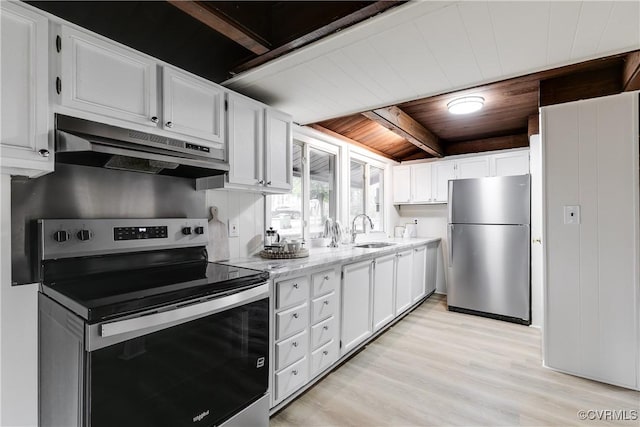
323 307
324 357
291 291
291 379
290 321
324 332
290 350
324 282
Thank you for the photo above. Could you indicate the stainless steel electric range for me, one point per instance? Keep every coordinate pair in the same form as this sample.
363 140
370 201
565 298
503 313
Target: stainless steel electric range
136 328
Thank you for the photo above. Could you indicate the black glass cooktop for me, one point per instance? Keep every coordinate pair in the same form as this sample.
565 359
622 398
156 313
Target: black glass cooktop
96 294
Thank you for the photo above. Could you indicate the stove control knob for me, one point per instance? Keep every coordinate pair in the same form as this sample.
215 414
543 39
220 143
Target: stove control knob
61 236
84 235
186 230
199 230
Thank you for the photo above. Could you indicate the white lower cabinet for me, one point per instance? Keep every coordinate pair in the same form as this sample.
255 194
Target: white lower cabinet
418 276
291 349
383 291
404 272
431 273
291 379
356 307
323 332
291 321
324 357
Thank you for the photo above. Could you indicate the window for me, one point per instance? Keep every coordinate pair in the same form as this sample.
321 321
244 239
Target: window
322 190
286 209
366 195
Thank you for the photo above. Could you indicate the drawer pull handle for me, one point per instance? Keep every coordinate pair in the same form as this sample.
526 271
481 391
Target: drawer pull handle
326 302
294 372
296 286
325 327
295 343
295 315
325 352
326 277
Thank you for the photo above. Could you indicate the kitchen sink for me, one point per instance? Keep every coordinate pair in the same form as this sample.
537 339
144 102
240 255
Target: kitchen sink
374 245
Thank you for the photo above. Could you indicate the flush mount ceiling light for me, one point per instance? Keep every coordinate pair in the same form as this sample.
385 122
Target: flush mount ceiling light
465 105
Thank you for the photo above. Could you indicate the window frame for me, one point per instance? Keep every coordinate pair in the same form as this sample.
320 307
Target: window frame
368 163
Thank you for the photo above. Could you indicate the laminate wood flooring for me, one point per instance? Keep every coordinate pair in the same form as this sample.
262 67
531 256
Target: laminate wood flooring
439 368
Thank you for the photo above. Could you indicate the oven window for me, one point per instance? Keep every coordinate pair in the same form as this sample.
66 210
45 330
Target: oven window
197 373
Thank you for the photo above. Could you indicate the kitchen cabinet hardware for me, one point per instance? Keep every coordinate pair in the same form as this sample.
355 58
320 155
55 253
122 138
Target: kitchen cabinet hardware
296 286
268 183
58 43
58 85
169 125
325 352
154 119
325 327
295 315
295 343
326 277
44 152
294 372
261 182
326 302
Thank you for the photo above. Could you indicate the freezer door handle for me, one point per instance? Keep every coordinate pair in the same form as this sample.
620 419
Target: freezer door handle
449 234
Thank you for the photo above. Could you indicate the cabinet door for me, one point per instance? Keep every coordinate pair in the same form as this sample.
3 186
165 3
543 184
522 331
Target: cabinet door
473 167
418 278
107 79
192 106
401 184
431 268
24 75
403 281
356 304
278 150
383 290
512 163
442 172
245 140
421 183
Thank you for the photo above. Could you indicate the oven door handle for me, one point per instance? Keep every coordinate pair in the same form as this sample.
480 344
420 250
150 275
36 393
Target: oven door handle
182 314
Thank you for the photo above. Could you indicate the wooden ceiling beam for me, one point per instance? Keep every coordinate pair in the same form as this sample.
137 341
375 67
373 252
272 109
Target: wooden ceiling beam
631 72
220 23
583 85
399 122
351 141
488 144
533 125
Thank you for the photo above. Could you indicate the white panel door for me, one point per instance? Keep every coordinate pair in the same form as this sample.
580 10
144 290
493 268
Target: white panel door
404 270
278 151
421 183
418 278
511 163
401 184
24 68
245 141
356 304
472 167
193 106
107 79
383 291
442 172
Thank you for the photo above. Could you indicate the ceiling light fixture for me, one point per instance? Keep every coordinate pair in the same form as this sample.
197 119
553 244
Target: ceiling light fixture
465 105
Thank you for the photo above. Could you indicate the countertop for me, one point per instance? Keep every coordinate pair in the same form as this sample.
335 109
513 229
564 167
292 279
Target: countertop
318 257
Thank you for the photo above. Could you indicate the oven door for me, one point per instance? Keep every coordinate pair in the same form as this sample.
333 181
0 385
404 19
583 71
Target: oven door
194 364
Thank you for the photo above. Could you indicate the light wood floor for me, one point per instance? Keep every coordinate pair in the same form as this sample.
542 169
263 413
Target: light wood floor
437 367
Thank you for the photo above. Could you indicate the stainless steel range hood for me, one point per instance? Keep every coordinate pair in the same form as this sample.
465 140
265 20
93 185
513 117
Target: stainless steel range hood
83 142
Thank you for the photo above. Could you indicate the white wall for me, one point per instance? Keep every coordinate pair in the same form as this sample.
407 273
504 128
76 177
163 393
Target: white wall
535 167
18 332
248 209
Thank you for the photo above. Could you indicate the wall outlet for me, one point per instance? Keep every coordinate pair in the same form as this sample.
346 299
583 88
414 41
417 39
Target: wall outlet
572 215
234 230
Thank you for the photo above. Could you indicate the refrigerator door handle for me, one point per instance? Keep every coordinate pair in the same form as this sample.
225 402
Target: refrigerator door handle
449 233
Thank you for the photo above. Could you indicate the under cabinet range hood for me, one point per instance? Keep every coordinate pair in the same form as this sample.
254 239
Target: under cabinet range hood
83 142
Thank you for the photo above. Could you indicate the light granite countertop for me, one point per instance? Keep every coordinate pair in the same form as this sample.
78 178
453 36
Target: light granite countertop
319 257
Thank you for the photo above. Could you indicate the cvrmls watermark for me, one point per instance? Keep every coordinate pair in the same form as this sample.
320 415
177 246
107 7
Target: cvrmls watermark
608 415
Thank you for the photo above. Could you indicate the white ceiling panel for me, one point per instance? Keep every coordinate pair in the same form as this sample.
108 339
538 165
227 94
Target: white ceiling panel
382 61
593 20
477 22
563 22
446 36
521 30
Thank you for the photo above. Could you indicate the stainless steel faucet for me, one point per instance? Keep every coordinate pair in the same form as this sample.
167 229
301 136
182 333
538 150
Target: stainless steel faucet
353 226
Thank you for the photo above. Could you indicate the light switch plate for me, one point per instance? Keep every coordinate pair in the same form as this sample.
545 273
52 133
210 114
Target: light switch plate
572 215
234 231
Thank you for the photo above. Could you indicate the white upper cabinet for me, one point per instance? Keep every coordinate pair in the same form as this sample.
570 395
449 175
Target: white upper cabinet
442 172
473 167
192 106
277 151
25 144
104 78
421 183
246 141
402 184
510 163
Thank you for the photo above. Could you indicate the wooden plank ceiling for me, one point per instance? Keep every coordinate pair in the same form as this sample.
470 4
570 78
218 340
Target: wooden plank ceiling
508 117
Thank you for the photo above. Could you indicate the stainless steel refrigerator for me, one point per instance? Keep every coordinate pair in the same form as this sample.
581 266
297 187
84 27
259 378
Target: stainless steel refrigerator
489 249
